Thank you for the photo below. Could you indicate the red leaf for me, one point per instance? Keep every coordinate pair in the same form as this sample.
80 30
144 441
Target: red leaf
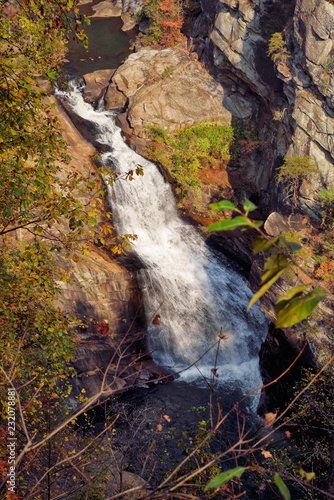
156 320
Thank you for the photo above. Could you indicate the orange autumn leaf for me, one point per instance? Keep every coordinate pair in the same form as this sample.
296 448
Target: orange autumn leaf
266 454
269 419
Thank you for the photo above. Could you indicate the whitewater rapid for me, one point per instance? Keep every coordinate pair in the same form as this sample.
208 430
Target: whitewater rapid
196 295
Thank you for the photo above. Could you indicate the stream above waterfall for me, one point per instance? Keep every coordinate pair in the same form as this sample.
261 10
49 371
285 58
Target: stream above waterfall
108 47
196 294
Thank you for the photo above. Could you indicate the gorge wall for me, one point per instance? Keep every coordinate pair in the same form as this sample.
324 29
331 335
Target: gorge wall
224 73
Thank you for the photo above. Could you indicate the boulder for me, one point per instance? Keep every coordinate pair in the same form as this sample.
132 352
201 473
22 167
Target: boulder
276 224
115 100
168 89
129 22
96 84
108 8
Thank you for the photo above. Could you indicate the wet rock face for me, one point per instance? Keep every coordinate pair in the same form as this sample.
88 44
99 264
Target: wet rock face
102 291
119 362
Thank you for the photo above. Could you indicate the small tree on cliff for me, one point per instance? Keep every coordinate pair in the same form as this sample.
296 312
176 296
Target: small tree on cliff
277 48
293 172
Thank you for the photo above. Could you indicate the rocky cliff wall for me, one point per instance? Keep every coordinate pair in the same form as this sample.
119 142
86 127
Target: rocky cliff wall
224 73
296 92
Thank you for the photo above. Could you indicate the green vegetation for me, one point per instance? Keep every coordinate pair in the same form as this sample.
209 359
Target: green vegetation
42 212
277 48
185 152
308 419
46 210
299 301
329 64
245 139
293 172
326 197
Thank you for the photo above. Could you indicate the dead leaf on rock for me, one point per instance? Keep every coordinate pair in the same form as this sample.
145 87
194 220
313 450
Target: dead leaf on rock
166 417
159 427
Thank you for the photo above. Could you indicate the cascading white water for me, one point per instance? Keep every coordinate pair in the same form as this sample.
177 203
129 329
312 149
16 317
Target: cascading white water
195 295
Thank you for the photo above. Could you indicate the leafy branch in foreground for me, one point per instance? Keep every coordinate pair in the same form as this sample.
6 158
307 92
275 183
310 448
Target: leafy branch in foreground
299 301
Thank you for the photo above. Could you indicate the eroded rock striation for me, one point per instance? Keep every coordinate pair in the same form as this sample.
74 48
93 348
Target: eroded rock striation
296 91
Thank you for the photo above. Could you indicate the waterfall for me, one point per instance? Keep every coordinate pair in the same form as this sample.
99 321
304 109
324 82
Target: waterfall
196 295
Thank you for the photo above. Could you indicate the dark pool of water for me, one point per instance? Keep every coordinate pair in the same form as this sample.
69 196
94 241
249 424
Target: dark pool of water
108 47
158 426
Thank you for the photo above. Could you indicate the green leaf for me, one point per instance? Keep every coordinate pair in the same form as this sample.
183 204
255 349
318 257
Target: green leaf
282 487
226 225
223 205
257 223
264 288
92 222
273 268
221 479
260 244
294 247
273 264
299 308
249 206
293 292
